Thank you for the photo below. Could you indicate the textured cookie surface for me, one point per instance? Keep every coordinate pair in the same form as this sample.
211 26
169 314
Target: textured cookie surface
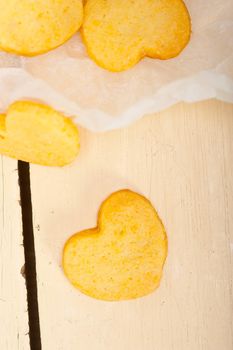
29 27
123 257
38 134
119 33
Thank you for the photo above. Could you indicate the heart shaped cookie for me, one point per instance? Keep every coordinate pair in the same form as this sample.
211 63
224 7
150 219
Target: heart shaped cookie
119 33
33 27
123 257
38 134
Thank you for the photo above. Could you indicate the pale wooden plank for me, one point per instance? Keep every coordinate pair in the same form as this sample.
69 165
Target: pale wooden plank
182 160
13 296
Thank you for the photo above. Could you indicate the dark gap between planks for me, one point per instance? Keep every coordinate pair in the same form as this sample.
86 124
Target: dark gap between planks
30 257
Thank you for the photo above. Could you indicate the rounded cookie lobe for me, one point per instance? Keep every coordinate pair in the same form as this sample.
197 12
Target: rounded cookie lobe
123 257
119 33
33 27
36 133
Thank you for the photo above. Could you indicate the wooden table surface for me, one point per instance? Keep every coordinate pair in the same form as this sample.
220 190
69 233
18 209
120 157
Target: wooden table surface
182 160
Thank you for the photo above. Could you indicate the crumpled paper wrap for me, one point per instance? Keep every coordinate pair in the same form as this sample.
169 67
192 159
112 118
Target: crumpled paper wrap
99 100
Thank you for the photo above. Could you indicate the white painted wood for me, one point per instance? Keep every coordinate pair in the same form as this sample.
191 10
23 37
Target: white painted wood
182 160
13 296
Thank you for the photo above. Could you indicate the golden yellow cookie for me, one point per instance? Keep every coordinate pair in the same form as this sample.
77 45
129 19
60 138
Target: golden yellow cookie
38 134
2 125
119 33
123 257
32 27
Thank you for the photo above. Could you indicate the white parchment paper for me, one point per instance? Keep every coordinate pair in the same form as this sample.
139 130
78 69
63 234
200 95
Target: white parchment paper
99 100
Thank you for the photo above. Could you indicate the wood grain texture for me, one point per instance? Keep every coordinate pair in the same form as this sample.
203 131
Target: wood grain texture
181 159
13 295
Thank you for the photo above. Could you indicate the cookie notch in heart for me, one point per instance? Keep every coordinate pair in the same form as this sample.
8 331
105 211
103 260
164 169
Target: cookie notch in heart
123 257
119 33
36 133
